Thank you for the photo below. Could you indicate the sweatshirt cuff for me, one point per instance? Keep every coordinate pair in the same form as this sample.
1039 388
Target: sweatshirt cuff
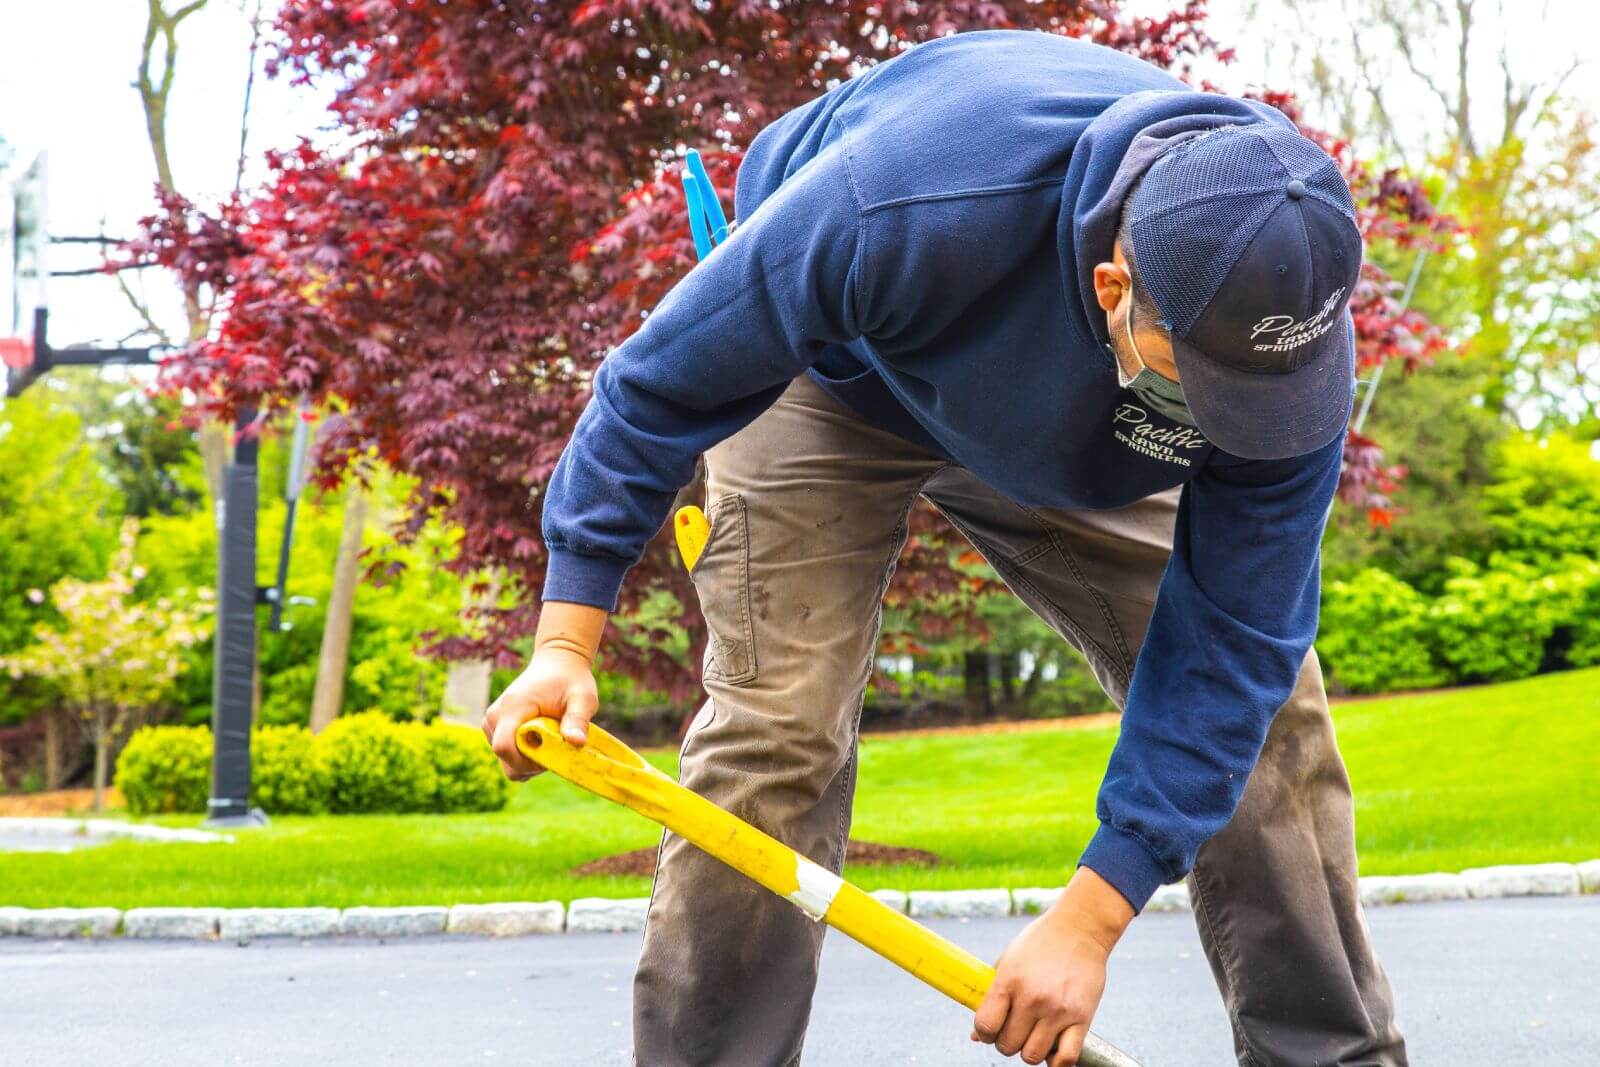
1125 862
579 579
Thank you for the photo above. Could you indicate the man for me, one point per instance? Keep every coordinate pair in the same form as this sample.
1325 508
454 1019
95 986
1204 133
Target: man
1099 321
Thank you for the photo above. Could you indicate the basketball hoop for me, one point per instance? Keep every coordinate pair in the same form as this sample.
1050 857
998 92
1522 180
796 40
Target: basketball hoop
16 352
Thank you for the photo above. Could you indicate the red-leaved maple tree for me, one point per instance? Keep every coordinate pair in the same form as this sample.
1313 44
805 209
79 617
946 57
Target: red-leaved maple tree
500 208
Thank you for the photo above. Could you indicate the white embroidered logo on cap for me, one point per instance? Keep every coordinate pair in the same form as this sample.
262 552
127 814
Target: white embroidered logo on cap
1292 334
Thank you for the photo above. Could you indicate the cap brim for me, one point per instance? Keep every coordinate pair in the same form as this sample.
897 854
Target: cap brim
1272 416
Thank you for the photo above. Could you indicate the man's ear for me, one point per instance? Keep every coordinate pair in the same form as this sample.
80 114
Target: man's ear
1111 281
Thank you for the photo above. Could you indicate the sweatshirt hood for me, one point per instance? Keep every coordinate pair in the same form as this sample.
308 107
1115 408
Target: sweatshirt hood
1113 153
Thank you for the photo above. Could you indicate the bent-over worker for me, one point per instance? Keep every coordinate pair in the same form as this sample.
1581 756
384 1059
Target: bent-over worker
1099 321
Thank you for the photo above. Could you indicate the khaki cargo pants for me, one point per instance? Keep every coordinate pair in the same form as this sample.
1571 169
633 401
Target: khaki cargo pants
808 509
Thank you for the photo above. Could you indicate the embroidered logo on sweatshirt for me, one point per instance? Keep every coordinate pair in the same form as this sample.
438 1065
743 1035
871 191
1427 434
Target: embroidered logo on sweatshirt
1132 425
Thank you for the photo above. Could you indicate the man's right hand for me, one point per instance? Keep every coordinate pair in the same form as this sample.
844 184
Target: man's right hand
558 683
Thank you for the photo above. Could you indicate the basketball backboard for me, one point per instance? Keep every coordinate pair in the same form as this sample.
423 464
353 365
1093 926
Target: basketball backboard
24 267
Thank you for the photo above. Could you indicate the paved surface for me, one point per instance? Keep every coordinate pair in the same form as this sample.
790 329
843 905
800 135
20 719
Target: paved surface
22 841
1501 982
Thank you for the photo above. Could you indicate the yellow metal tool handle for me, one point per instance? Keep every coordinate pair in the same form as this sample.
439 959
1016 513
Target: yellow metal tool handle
609 768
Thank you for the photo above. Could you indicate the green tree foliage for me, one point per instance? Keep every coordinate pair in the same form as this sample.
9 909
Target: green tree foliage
1449 445
1513 147
1544 504
1529 280
145 449
115 657
1019 666
409 596
57 518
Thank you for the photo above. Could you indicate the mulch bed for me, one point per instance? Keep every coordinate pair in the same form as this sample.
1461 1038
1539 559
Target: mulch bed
58 802
642 861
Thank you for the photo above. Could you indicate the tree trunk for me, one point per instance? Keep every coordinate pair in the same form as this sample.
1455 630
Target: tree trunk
1008 676
158 63
466 685
466 692
1030 688
975 671
213 457
52 749
102 753
335 655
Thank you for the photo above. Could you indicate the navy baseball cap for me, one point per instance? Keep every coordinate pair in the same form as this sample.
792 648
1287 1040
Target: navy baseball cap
1246 238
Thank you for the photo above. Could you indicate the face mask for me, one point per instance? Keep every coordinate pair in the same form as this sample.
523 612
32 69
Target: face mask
1162 394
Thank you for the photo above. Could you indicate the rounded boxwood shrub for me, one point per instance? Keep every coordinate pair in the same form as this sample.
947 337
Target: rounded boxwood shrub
1584 579
363 764
1492 625
165 770
1375 635
373 764
468 776
286 778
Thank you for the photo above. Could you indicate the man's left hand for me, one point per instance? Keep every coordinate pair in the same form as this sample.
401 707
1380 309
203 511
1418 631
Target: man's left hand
1049 979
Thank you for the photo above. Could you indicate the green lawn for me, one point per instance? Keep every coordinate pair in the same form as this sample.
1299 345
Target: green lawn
1499 774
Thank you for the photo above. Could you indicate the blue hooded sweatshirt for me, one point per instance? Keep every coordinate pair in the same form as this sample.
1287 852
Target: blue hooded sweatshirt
921 241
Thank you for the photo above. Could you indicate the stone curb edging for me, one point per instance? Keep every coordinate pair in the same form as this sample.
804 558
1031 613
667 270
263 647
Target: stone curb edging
606 915
168 923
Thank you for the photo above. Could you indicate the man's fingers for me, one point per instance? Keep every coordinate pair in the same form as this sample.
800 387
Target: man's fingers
1069 1046
505 748
1041 1040
990 1016
1019 1024
516 774
582 704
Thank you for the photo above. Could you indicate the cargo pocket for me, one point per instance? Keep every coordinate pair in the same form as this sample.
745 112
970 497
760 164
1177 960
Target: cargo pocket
721 577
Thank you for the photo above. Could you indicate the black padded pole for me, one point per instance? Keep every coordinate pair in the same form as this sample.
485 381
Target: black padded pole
234 674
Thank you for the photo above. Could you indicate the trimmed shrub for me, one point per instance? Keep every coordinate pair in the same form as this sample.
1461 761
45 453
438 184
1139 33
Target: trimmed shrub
360 764
286 778
165 770
1494 625
467 774
1581 588
1374 635
373 764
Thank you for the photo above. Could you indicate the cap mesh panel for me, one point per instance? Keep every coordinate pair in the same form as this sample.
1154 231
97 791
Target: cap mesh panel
1200 206
1305 160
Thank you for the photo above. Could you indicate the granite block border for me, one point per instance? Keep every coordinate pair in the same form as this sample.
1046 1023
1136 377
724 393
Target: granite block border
606 915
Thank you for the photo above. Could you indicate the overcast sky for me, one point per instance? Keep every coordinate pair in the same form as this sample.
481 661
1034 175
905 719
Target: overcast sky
67 66
67 69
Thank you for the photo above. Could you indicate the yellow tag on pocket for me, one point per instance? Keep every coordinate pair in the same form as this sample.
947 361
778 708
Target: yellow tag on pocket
693 531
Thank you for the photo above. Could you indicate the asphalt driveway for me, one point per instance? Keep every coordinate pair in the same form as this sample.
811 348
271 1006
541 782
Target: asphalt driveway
1500 982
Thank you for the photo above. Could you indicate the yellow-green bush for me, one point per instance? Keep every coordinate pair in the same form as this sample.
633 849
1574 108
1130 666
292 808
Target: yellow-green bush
286 778
360 764
1495 625
468 779
166 769
1375 635
375 764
